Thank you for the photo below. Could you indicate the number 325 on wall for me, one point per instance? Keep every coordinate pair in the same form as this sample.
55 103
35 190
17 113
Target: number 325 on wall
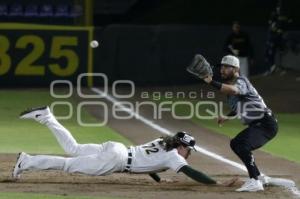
61 47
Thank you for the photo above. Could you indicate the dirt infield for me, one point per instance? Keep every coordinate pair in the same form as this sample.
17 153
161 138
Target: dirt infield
119 185
142 186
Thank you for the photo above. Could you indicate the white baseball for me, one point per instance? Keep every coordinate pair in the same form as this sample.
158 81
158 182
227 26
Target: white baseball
94 44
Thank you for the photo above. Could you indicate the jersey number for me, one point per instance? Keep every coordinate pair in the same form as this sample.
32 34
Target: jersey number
150 148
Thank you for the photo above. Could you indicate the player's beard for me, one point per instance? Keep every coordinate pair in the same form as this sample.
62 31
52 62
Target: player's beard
228 78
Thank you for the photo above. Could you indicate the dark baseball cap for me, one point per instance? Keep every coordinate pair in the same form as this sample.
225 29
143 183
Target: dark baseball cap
186 139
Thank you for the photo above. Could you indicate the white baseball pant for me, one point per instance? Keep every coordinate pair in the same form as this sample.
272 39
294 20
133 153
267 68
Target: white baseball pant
91 159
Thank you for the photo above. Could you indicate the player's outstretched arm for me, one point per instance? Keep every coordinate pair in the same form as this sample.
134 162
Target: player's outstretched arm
197 175
224 88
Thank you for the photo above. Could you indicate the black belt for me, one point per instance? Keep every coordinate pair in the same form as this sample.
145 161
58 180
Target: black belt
129 161
267 114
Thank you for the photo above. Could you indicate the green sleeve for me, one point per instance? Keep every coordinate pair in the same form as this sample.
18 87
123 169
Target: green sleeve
196 175
155 176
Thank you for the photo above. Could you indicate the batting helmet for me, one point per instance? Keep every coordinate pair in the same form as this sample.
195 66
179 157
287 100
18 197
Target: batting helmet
185 139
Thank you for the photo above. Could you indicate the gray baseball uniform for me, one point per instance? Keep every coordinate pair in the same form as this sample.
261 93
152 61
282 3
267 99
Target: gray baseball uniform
248 105
262 125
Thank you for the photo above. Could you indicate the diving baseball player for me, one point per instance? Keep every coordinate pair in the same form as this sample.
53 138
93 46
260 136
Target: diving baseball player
245 103
169 152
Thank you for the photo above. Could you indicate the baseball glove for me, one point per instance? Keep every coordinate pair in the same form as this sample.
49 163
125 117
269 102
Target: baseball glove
200 67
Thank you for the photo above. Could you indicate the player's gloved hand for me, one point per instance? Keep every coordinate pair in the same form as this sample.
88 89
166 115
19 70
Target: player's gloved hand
200 67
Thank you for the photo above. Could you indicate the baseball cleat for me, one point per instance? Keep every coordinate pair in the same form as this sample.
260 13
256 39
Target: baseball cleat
265 180
251 185
35 113
17 168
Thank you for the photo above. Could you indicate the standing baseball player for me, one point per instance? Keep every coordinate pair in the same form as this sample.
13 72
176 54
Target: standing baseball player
158 155
248 105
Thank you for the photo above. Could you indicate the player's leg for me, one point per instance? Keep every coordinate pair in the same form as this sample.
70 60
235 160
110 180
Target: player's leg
95 164
63 136
248 140
266 130
113 158
242 145
251 138
38 162
67 141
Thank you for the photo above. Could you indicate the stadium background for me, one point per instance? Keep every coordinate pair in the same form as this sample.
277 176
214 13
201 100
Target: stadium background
150 43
